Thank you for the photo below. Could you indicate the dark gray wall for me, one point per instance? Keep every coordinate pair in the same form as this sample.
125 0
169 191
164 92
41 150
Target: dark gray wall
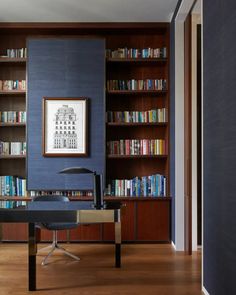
65 68
219 135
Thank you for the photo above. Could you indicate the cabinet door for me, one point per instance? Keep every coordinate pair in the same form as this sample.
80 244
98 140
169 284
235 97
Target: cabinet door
14 231
153 221
47 235
127 224
86 232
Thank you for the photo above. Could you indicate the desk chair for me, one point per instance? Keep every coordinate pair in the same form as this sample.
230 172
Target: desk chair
55 227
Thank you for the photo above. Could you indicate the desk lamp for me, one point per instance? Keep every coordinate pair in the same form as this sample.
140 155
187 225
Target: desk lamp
97 183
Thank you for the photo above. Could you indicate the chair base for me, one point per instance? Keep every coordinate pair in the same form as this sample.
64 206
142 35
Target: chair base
54 246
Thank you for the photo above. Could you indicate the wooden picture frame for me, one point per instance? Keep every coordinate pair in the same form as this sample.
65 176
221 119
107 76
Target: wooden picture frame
65 127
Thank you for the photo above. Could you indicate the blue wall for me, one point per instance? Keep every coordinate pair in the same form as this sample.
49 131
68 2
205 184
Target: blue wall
65 68
219 135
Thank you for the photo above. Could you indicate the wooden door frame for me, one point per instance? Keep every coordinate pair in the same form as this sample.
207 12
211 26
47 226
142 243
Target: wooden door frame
188 134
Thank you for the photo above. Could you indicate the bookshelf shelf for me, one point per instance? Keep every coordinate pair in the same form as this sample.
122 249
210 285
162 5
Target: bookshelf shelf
141 198
85 198
12 124
13 92
15 198
136 60
12 157
137 156
137 92
12 60
122 124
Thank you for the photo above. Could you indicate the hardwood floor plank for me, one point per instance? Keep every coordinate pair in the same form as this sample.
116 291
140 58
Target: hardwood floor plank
146 269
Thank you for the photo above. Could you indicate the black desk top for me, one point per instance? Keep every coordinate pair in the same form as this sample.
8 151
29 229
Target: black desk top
50 211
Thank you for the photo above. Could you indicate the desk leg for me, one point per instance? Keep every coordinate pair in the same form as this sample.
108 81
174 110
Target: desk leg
32 250
118 243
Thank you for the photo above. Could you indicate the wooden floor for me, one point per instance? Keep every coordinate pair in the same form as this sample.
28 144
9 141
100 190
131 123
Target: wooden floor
146 269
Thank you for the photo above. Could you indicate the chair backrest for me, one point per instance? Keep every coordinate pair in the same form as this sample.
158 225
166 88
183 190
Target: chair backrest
51 198
46 199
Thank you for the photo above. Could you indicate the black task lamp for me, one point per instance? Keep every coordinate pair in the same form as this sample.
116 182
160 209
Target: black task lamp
97 183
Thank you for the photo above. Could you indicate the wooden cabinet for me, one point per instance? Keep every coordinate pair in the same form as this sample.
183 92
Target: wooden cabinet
86 232
153 221
14 232
145 220
127 224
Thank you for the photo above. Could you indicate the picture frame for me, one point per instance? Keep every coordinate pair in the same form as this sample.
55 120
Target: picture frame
65 127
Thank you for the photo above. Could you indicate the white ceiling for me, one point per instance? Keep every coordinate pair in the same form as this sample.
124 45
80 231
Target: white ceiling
86 10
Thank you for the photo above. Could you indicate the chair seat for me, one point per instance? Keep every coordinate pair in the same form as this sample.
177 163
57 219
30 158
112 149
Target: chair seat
59 226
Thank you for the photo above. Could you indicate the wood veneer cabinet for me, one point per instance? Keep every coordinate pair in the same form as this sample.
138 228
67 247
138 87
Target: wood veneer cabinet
142 218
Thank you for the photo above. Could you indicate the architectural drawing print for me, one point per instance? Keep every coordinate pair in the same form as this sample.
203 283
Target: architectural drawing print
64 127
65 133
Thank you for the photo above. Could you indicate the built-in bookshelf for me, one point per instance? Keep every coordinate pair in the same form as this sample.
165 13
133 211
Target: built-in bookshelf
13 131
137 106
12 116
137 130
145 109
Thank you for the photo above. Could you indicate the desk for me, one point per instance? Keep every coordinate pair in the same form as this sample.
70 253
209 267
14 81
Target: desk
80 212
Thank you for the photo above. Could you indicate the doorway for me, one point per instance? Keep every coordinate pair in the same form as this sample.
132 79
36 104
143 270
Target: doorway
188 116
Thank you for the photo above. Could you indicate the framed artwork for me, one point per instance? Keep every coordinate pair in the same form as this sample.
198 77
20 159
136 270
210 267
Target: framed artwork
65 127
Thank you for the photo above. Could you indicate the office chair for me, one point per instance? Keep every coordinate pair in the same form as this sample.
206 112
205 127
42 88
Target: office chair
55 227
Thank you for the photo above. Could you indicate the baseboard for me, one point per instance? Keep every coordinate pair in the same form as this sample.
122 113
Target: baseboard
205 291
173 245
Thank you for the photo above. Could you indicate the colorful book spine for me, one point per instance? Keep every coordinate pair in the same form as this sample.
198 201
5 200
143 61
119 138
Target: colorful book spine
145 186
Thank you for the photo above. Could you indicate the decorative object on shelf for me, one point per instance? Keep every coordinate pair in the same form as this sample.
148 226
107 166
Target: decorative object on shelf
65 127
97 182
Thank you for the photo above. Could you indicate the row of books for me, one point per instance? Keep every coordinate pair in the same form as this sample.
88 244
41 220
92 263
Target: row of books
13 117
12 204
12 148
131 147
151 116
16 53
12 186
145 186
137 53
147 84
81 193
6 85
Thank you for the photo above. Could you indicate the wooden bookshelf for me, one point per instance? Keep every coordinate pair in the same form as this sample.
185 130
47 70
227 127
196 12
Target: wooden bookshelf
140 215
12 100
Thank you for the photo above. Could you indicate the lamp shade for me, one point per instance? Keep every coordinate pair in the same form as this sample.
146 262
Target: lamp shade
76 170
